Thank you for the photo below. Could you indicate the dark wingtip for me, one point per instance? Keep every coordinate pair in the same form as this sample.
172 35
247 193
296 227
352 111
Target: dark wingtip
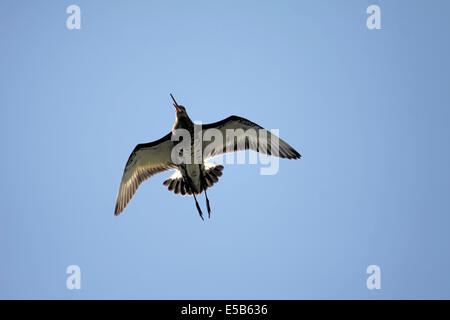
296 154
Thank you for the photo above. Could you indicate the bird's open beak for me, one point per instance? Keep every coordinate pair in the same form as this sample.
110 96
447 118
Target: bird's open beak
175 104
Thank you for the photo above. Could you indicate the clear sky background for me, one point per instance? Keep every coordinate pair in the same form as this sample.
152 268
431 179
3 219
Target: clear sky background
367 109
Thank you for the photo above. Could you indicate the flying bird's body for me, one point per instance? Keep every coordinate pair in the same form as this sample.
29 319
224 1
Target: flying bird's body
193 174
190 171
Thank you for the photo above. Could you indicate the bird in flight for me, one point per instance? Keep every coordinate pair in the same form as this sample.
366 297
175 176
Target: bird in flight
187 156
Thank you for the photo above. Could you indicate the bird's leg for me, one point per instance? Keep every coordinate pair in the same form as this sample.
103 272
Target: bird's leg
204 187
207 205
198 207
187 182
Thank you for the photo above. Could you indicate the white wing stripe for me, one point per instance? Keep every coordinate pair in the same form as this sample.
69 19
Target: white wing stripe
271 145
145 161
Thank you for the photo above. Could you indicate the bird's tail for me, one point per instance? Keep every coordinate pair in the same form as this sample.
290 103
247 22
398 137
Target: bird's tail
177 184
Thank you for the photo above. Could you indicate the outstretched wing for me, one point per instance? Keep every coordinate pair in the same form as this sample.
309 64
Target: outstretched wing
145 161
247 135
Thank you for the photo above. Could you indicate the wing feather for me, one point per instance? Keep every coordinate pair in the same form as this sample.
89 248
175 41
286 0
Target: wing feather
145 161
262 141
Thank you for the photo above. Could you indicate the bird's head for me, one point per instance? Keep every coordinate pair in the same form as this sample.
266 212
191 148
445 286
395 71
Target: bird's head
180 110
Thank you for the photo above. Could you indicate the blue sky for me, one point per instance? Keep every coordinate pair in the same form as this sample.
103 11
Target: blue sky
368 110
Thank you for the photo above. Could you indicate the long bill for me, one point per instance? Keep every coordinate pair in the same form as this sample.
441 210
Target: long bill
175 104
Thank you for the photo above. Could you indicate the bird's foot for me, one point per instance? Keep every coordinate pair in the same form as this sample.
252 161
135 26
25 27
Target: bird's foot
198 208
208 207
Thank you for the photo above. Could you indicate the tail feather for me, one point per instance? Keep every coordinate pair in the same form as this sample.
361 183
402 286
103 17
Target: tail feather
177 184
